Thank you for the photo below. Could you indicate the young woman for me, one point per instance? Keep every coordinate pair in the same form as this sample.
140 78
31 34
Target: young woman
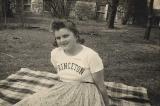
79 70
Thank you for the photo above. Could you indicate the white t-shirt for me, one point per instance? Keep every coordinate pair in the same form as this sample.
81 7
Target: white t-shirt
78 67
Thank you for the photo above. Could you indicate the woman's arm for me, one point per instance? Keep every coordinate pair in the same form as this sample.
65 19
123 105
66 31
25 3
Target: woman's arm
98 78
56 77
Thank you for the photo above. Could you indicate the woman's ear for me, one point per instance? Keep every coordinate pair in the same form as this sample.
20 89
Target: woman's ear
77 38
55 43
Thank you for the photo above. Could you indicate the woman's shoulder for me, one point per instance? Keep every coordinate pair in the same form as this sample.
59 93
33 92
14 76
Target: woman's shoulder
89 50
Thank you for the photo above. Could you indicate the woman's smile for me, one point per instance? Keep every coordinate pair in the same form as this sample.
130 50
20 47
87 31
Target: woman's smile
64 44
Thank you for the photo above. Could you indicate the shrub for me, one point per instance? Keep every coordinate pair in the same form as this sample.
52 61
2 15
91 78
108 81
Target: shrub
84 10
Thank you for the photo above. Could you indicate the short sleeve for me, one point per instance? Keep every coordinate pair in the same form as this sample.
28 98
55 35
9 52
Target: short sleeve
95 63
53 58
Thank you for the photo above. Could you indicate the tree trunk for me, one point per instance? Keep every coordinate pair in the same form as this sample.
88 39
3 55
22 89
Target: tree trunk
22 14
149 22
97 9
112 9
1 13
5 12
20 11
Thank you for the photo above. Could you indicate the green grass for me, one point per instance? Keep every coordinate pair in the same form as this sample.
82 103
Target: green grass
126 56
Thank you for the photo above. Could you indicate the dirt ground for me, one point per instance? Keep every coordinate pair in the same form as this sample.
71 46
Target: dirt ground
127 57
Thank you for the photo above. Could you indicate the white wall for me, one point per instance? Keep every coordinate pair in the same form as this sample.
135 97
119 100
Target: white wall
37 6
156 4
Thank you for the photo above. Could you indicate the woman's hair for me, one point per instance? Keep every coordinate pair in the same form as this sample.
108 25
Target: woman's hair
68 24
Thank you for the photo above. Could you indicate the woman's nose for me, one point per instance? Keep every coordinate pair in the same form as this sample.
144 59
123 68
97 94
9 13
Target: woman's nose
62 39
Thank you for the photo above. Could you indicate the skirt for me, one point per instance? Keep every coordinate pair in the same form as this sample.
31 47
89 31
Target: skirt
66 94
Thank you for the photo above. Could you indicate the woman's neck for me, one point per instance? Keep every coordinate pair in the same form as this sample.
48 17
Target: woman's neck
74 50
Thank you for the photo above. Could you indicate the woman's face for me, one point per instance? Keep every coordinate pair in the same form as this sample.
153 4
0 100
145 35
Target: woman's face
65 39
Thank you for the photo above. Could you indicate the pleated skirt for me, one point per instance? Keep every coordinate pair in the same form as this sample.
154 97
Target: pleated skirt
66 94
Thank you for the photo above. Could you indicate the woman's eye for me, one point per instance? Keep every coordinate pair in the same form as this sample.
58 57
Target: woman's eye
65 36
57 38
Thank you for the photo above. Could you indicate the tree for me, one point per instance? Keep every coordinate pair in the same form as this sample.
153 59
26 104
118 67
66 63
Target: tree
5 11
60 8
112 9
98 4
129 11
150 16
20 11
0 12
134 11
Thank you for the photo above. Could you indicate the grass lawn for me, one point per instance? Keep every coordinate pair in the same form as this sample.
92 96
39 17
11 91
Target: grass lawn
127 57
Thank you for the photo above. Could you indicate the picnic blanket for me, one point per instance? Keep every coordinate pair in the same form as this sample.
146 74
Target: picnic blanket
25 82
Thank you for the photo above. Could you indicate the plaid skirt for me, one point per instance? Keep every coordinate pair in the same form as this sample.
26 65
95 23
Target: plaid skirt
66 94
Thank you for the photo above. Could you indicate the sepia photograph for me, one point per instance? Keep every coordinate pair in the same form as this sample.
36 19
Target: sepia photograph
79 52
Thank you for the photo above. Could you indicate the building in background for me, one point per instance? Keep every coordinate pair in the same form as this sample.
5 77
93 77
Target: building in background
32 6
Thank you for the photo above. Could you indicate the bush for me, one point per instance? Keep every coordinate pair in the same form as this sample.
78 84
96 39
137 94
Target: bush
84 10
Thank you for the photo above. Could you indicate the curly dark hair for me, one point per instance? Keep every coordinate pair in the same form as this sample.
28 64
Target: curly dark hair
68 24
